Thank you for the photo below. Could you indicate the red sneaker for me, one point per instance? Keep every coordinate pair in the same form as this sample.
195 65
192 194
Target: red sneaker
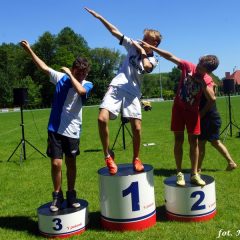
112 167
137 165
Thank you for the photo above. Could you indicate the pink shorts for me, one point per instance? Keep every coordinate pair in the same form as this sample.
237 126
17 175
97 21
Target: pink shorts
182 117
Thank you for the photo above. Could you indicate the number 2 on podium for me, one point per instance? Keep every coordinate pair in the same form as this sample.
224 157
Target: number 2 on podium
197 205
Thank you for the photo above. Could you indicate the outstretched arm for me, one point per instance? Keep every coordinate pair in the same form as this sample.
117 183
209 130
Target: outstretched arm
39 63
167 55
111 28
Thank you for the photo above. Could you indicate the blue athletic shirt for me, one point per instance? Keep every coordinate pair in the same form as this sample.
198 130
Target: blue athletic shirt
66 113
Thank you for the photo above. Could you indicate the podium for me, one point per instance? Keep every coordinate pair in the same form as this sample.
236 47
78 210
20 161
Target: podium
127 199
190 203
65 222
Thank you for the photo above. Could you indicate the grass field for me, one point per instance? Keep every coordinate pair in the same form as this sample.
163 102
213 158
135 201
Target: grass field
26 185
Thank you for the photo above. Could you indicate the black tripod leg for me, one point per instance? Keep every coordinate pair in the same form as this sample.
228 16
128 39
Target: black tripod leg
224 129
14 150
123 137
235 126
35 148
129 132
116 137
124 145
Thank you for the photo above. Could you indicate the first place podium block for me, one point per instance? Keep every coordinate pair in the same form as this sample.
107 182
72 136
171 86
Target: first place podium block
64 223
190 203
127 199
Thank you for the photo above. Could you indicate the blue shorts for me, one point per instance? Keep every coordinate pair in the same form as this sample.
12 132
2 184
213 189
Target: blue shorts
210 128
59 145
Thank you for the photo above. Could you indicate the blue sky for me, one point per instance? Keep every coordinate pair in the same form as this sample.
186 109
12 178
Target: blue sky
190 29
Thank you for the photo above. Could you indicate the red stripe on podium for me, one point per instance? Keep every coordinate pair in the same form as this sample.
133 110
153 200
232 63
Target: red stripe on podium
129 226
66 235
191 218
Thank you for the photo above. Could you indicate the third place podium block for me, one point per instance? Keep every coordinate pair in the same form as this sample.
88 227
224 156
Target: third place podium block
190 202
64 223
127 199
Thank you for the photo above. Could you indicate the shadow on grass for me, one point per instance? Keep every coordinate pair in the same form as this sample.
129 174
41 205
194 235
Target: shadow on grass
161 214
20 223
164 172
95 221
170 172
95 218
92 150
211 170
14 161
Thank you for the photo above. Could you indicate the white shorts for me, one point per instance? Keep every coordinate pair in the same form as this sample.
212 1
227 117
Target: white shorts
117 100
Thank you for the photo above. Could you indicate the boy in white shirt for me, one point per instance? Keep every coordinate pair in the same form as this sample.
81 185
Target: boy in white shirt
124 90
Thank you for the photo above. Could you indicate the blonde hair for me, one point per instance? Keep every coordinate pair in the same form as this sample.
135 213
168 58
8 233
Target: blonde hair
153 34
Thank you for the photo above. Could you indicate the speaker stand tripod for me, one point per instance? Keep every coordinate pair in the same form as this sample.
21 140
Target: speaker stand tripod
23 142
124 121
230 124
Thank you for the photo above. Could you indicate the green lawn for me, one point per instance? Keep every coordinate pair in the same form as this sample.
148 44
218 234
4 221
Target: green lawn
26 185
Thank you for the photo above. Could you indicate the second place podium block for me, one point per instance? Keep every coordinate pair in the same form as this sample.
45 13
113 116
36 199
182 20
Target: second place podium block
190 203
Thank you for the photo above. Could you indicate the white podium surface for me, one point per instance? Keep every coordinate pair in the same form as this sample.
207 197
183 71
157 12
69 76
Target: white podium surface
65 222
127 199
190 202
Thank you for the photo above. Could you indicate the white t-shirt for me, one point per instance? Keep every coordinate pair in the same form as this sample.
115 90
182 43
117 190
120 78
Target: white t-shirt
131 69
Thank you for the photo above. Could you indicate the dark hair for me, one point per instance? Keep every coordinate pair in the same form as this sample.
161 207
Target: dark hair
81 64
210 62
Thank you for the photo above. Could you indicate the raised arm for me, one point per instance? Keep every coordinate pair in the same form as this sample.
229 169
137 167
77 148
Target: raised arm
111 28
76 84
39 63
165 54
146 63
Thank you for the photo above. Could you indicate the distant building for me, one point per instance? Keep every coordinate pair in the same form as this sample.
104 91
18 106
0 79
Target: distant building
236 77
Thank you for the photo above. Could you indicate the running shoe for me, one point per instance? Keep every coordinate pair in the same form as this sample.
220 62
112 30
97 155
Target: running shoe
180 179
112 167
196 179
72 199
57 201
137 165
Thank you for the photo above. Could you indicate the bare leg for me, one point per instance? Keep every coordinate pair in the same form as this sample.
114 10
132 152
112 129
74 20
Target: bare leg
201 145
178 149
224 152
103 120
136 130
71 172
56 170
194 152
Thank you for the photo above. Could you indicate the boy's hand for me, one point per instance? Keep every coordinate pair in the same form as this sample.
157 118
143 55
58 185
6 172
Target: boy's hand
96 15
25 44
138 47
66 70
144 44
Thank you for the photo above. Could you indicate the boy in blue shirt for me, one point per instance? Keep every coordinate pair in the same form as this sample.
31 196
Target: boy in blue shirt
65 122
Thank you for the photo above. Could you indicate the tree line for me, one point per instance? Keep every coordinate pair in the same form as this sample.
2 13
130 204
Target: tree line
17 70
